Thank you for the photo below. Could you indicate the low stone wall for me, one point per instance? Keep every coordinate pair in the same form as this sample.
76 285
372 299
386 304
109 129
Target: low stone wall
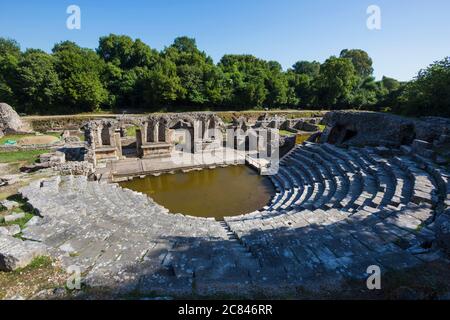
61 123
31 147
362 128
17 148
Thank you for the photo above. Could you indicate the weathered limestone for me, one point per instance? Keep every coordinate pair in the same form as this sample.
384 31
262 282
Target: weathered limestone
197 132
103 140
10 230
53 158
15 253
423 148
47 160
443 231
14 217
363 128
10 121
76 168
9 205
336 212
277 122
156 136
266 121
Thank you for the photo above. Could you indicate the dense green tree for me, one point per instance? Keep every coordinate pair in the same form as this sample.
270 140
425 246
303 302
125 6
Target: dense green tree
308 68
161 86
390 84
125 53
361 61
9 58
277 85
194 70
127 73
247 76
365 95
428 94
301 77
80 72
298 89
335 83
36 85
9 46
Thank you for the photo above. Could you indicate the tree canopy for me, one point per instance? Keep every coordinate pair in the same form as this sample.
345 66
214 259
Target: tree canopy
126 73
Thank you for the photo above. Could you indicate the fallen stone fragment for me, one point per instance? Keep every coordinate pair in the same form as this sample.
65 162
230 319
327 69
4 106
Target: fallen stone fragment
406 149
14 217
9 205
443 231
54 158
35 167
10 230
423 148
33 221
10 121
15 253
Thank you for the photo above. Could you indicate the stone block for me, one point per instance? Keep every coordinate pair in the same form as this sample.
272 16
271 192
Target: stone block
406 149
14 217
53 158
423 148
10 230
9 205
442 229
15 253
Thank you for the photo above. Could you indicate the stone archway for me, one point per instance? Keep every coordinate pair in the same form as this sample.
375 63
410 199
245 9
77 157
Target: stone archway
182 131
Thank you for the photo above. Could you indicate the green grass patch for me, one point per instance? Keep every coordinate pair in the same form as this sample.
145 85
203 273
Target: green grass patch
20 222
37 263
300 138
15 137
23 207
131 131
28 156
321 127
54 134
286 133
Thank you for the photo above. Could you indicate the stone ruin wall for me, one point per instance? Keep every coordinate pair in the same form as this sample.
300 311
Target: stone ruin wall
361 128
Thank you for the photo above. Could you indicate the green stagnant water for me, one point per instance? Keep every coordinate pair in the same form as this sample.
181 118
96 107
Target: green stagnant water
213 193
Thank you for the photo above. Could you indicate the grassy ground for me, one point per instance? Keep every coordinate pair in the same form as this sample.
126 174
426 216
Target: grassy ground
23 137
41 274
302 137
54 134
15 137
286 133
23 207
131 131
27 157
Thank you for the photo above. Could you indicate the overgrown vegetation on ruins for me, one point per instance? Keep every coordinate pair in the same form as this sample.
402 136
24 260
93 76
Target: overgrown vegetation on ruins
127 73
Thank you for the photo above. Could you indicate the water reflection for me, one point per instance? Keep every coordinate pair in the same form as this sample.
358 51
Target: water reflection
214 193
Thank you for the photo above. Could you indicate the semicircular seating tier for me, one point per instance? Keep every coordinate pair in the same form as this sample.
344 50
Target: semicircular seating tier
336 212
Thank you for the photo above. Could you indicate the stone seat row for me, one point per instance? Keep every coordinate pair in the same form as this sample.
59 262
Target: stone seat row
304 241
112 204
323 176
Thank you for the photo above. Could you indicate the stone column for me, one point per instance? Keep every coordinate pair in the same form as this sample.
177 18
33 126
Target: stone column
156 132
118 144
139 140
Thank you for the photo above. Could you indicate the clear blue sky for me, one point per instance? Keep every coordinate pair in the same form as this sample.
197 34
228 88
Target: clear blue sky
414 32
